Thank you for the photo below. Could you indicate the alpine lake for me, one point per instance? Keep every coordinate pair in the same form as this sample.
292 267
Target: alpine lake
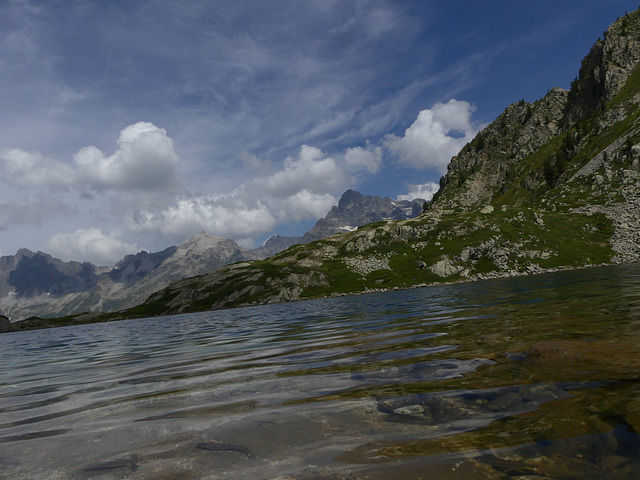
531 378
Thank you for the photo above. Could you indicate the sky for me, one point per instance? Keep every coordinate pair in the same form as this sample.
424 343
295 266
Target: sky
129 126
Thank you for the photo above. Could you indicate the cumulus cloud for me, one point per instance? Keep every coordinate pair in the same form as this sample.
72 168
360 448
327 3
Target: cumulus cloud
302 190
145 161
369 158
311 170
425 191
91 245
437 135
220 215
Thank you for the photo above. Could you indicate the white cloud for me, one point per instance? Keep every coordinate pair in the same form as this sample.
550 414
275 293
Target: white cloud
303 189
90 245
369 158
220 215
34 170
311 171
425 191
144 162
303 205
437 135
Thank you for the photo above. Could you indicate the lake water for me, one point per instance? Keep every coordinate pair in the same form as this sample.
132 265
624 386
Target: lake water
532 377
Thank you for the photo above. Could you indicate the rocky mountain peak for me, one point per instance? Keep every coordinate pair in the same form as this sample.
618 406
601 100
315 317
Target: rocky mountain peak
354 210
24 252
606 69
206 240
350 198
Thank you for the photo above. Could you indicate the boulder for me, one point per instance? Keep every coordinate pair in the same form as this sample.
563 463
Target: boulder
444 268
5 324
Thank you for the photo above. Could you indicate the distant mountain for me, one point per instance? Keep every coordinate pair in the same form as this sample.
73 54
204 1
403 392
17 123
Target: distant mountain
36 273
37 284
353 210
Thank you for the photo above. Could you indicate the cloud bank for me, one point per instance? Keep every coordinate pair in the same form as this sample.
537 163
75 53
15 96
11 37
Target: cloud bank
302 190
138 190
89 243
145 161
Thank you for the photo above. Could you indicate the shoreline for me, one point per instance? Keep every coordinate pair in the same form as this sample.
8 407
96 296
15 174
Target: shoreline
84 318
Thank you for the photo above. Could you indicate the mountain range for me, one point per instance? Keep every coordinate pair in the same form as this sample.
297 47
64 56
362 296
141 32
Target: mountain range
549 185
37 284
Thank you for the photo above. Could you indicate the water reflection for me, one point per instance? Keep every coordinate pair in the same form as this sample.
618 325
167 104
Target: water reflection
486 380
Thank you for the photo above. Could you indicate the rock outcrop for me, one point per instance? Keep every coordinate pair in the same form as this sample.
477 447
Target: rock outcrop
5 324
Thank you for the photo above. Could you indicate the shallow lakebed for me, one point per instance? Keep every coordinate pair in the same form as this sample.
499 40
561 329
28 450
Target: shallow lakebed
529 377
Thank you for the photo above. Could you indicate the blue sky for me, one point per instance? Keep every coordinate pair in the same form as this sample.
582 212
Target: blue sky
135 125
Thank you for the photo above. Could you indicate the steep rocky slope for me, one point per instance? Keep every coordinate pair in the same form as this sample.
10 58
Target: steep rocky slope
531 147
548 185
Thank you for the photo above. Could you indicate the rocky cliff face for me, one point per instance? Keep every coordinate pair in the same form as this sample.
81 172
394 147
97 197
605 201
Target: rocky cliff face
489 166
483 166
549 185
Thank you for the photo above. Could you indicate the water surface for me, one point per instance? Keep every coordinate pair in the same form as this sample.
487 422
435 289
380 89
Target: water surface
515 378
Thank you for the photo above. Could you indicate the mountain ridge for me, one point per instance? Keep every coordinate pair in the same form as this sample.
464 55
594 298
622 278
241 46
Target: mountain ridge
37 284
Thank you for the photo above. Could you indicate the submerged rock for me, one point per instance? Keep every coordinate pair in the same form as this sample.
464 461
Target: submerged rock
124 463
448 407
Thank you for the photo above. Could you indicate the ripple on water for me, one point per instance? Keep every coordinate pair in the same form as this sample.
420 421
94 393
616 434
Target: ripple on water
376 385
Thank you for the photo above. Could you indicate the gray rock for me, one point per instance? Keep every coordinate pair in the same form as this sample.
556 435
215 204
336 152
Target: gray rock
5 324
444 268
487 209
